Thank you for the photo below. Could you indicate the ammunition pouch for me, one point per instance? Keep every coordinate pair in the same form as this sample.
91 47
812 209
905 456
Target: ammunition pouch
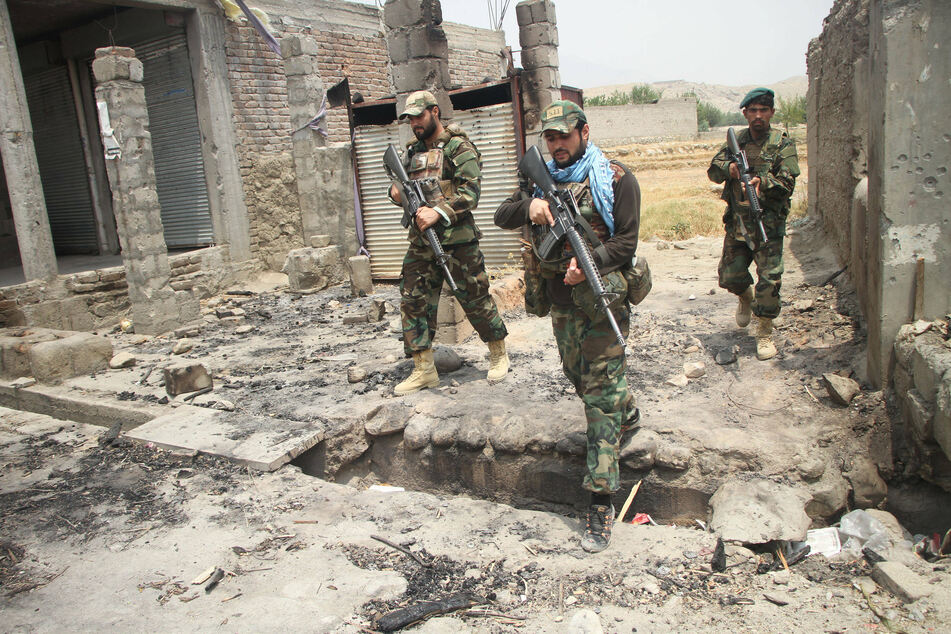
639 283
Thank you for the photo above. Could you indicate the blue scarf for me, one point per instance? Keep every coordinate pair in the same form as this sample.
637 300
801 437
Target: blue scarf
594 166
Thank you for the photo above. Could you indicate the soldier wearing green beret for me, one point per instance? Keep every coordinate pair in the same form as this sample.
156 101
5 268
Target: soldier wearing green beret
772 157
608 198
448 163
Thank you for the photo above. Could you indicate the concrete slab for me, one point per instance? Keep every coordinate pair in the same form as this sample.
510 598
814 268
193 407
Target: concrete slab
260 442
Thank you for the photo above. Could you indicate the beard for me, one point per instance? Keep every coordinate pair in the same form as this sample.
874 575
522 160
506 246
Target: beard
427 131
573 158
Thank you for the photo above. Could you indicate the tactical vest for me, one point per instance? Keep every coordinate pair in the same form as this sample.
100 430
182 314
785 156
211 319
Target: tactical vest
761 158
582 193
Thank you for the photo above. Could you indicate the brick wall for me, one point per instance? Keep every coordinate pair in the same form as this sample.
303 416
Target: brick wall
361 58
473 54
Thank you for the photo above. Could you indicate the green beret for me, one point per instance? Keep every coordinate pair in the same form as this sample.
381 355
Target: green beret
755 94
563 116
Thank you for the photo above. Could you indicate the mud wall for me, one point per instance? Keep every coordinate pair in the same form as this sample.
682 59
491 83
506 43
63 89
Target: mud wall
666 119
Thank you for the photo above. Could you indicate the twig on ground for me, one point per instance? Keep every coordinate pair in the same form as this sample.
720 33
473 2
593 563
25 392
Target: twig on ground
676 582
529 549
627 503
194 395
407 551
809 392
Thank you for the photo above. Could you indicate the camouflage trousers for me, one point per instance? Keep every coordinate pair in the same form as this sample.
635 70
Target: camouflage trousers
735 277
421 282
594 363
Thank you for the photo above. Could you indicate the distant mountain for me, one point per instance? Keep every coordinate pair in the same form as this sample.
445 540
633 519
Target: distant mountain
726 98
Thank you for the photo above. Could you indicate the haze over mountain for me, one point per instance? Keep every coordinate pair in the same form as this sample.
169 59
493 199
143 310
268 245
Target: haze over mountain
726 98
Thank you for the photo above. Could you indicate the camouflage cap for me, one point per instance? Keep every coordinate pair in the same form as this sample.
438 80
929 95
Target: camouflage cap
417 102
756 93
562 116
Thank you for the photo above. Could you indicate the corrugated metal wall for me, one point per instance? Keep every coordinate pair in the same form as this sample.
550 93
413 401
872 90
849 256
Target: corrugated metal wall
59 153
492 129
176 141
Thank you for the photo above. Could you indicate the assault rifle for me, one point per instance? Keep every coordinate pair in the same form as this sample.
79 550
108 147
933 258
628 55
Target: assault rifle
565 211
738 156
413 199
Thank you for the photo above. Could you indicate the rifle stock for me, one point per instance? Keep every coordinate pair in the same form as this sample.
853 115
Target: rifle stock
412 199
738 156
565 212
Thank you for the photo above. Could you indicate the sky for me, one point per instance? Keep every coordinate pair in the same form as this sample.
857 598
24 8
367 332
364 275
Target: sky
603 42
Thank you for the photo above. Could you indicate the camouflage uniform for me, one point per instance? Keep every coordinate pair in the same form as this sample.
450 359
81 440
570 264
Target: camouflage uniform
454 163
773 158
591 357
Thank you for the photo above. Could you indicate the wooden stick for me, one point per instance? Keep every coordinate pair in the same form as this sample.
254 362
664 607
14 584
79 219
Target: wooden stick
919 289
627 503
407 551
779 551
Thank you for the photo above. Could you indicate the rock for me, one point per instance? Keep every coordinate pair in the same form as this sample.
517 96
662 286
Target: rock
444 433
186 331
122 360
639 451
920 327
446 359
802 305
471 436
759 511
186 377
357 318
896 533
182 346
692 349
868 487
224 405
418 431
510 436
691 297
574 444
396 325
775 598
361 283
662 245
678 380
243 330
22 382
695 369
356 374
781 577
376 311
320 241
584 622
829 495
900 581
313 268
841 389
727 356
811 467
63 357
672 457
388 419
333 304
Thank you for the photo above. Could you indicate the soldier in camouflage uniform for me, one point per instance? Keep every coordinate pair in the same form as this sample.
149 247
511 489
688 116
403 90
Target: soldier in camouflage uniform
448 164
772 157
609 199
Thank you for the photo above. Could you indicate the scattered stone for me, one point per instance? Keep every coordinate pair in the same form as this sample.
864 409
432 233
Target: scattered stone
224 311
802 305
418 432
224 405
396 325
673 457
841 389
811 467
727 355
920 327
359 318
445 359
584 622
390 358
781 577
691 297
356 374
313 268
320 241
692 349
662 245
22 382
187 331
759 511
695 369
388 419
182 346
122 360
376 311
243 330
186 377
639 451
829 495
361 283
868 487
678 380
333 304
900 581
775 598
712 291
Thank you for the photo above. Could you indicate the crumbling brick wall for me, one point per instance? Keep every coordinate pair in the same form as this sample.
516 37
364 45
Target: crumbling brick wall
474 54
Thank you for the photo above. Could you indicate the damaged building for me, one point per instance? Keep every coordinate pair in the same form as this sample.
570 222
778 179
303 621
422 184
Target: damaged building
155 152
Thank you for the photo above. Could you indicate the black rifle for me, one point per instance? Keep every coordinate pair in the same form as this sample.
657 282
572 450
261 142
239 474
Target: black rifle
413 199
565 211
738 156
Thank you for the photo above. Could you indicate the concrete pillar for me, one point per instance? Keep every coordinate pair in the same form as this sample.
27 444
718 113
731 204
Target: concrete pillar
540 80
419 53
19 163
120 99
229 214
908 162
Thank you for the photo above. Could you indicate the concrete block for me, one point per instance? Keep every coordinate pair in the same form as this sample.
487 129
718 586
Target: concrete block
541 79
294 45
941 423
302 65
523 13
420 72
319 241
399 13
543 11
397 45
310 268
538 35
929 362
453 333
112 68
449 310
183 378
900 581
540 56
427 41
919 415
361 283
79 353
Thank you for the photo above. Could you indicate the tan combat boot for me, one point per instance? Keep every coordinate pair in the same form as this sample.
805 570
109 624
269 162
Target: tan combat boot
423 375
498 361
743 309
764 342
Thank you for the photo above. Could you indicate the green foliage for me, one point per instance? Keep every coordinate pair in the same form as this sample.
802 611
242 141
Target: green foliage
792 111
681 230
640 93
709 116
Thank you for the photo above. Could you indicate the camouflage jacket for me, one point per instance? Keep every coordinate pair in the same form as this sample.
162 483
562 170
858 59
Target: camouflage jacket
460 185
775 161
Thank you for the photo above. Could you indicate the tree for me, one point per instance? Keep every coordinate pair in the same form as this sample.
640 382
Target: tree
792 111
639 93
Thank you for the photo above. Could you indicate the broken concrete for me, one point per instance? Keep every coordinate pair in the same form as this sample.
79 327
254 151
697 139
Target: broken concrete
183 378
313 269
758 511
900 581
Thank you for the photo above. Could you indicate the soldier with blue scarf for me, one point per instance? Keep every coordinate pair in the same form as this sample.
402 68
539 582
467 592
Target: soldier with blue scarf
608 198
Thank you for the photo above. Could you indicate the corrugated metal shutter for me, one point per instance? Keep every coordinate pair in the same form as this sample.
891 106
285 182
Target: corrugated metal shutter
59 153
176 141
492 129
